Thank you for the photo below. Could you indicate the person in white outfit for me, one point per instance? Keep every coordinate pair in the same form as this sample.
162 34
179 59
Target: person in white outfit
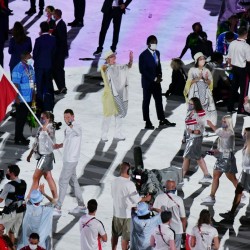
91 229
204 236
169 201
71 155
115 95
163 236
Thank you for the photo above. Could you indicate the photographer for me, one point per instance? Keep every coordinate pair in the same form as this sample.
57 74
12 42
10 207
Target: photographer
173 203
43 149
13 195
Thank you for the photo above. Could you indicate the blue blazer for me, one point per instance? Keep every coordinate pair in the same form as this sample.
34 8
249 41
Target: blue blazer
44 51
148 68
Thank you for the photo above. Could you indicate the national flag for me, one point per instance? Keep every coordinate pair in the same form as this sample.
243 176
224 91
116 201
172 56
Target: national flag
7 94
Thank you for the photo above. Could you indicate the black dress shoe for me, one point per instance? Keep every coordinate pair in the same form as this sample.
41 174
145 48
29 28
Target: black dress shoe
97 52
149 126
40 13
76 24
30 12
60 91
166 123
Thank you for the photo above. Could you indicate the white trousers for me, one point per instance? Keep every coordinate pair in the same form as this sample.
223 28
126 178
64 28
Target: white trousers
118 128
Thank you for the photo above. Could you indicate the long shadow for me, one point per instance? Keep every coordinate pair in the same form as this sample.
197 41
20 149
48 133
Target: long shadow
72 34
34 20
90 81
213 6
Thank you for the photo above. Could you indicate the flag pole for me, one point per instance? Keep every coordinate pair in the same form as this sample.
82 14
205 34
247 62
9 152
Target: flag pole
15 88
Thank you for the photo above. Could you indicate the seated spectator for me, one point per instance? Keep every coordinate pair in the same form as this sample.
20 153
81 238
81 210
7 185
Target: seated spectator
37 219
33 243
197 42
163 236
223 41
179 78
143 226
92 230
222 89
204 235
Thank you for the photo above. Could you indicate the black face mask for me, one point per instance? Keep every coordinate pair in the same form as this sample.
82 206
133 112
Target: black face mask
8 176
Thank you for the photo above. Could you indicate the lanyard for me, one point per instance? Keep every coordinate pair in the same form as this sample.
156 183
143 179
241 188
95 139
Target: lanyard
172 200
27 71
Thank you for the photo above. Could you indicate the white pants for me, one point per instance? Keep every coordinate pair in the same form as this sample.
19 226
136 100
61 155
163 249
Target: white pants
118 127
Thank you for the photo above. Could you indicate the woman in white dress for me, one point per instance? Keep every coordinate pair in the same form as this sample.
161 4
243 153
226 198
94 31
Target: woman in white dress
200 84
204 235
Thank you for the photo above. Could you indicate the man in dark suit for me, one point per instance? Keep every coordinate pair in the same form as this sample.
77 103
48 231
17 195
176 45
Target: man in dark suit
151 77
32 9
79 11
4 28
43 55
60 33
111 9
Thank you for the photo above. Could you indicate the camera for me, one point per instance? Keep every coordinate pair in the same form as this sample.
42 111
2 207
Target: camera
57 125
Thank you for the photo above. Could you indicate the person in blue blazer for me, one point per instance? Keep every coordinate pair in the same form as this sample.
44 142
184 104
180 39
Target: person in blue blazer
151 77
44 55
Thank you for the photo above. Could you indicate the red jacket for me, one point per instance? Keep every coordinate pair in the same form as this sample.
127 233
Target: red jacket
28 248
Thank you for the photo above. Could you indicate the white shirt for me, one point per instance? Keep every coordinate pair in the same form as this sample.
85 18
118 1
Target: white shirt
89 233
72 143
115 3
239 53
166 233
57 21
171 205
208 233
124 195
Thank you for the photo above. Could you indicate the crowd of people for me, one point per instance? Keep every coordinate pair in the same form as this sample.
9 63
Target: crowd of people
213 78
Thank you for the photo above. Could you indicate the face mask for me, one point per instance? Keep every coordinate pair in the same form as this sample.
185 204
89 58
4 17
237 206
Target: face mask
190 107
53 18
244 137
8 176
33 247
46 14
171 191
224 125
30 61
153 46
42 121
201 63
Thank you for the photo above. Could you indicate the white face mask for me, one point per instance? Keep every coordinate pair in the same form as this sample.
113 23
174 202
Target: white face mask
153 46
33 247
30 61
201 63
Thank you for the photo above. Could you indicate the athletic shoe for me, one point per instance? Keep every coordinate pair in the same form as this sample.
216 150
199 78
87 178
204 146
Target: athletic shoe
57 212
149 125
78 209
206 179
104 139
208 199
243 199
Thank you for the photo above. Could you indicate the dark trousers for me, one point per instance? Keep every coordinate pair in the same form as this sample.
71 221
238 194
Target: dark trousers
21 117
58 71
239 81
1 50
45 90
79 10
33 4
116 15
155 90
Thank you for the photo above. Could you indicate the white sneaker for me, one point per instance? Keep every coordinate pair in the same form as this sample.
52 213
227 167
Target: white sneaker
57 212
206 179
243 198
208 199
78 210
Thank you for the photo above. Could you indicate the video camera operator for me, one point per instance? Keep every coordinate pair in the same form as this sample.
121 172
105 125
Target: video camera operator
13 195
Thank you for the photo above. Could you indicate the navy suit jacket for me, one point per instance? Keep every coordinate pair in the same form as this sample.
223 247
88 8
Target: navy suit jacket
44 51
107 5
60 33
148 68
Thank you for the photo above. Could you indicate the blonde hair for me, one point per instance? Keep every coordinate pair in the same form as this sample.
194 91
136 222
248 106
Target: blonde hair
176 64
229 121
